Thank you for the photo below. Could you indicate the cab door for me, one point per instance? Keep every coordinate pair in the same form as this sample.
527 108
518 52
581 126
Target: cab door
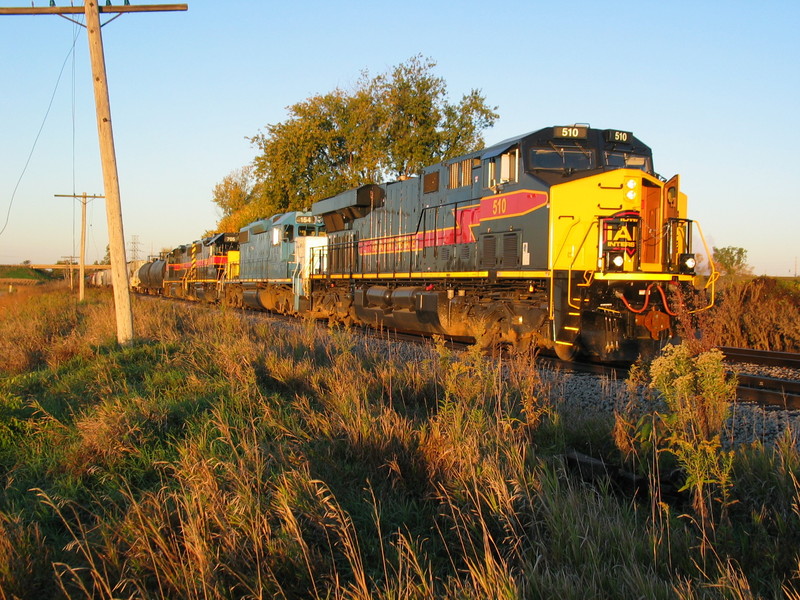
674 203
671 200
652 225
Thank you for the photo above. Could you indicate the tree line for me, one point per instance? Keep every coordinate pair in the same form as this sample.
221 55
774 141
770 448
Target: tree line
388 126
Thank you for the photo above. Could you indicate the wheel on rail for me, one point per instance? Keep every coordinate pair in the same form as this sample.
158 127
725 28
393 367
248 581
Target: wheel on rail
566 352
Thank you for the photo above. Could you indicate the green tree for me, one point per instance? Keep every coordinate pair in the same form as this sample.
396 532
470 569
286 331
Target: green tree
234 196
328 144
421 126
235 190
731 261
106 259
388 126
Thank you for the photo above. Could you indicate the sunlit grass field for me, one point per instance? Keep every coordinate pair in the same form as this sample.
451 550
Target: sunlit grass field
220 456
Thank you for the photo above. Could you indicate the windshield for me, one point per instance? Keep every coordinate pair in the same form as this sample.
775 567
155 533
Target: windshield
573 159
628 160
307 230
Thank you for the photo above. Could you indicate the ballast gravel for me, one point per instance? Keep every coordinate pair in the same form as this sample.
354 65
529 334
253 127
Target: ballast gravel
595 395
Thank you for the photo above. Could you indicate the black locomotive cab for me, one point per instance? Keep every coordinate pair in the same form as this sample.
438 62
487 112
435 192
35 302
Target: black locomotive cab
556 154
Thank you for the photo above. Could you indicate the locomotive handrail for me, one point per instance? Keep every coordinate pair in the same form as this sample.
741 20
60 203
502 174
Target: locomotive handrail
554 258
713 276
297 278
388 251
572 264
385 253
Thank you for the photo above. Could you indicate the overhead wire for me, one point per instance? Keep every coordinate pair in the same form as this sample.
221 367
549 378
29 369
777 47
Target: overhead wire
75 28
39 133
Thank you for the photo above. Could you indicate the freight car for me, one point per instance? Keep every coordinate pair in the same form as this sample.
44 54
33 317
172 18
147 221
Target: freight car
564 238
102 277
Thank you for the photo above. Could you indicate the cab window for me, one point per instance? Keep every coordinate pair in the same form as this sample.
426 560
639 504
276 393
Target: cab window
628 160
503 168
560 159
306 230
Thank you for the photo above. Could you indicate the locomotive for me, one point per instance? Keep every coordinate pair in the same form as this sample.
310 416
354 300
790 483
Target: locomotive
564 238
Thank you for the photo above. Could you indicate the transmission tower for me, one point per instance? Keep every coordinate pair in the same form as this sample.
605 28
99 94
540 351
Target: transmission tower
134 247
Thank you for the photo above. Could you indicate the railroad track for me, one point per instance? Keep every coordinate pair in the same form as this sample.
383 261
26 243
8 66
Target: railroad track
771 391
764 389
762 357
759 389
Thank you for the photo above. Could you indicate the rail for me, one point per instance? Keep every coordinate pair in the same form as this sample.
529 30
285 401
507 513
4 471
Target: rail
762 357
770 391
764 389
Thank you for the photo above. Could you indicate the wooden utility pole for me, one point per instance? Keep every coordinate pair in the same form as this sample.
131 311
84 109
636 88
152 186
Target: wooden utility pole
116 236
71 266
108 159
84 198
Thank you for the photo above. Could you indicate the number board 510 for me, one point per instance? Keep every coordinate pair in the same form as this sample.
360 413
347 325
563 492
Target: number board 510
572 132
619 137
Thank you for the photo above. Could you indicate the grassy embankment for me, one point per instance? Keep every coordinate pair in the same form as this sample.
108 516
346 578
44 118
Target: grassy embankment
219 458
22 275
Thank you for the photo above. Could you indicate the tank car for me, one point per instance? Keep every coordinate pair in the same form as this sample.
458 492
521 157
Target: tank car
99 278
151 277
564 238
133 268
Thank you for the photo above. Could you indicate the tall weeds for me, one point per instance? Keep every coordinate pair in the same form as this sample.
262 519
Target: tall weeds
760 313
225 457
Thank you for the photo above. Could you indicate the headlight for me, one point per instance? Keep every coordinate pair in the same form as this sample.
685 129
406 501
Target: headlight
632 186
687 263
615 260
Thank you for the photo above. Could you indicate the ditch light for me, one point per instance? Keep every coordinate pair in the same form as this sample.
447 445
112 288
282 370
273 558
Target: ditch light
615 260
687 263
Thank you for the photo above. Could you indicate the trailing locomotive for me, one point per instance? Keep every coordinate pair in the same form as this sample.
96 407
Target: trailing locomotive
563 238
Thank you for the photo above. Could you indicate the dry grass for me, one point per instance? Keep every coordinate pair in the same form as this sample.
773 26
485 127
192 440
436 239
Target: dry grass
222 457
760 313
24 558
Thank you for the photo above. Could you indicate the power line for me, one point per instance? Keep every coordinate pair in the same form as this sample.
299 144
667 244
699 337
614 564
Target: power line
41 128
119 274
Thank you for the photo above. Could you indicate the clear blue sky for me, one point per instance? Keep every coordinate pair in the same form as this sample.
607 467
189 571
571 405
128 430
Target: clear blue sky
712 86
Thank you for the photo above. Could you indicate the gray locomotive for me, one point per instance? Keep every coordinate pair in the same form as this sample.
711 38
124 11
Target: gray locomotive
563 238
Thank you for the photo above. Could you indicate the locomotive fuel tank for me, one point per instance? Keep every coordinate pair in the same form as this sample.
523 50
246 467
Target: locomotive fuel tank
405 308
